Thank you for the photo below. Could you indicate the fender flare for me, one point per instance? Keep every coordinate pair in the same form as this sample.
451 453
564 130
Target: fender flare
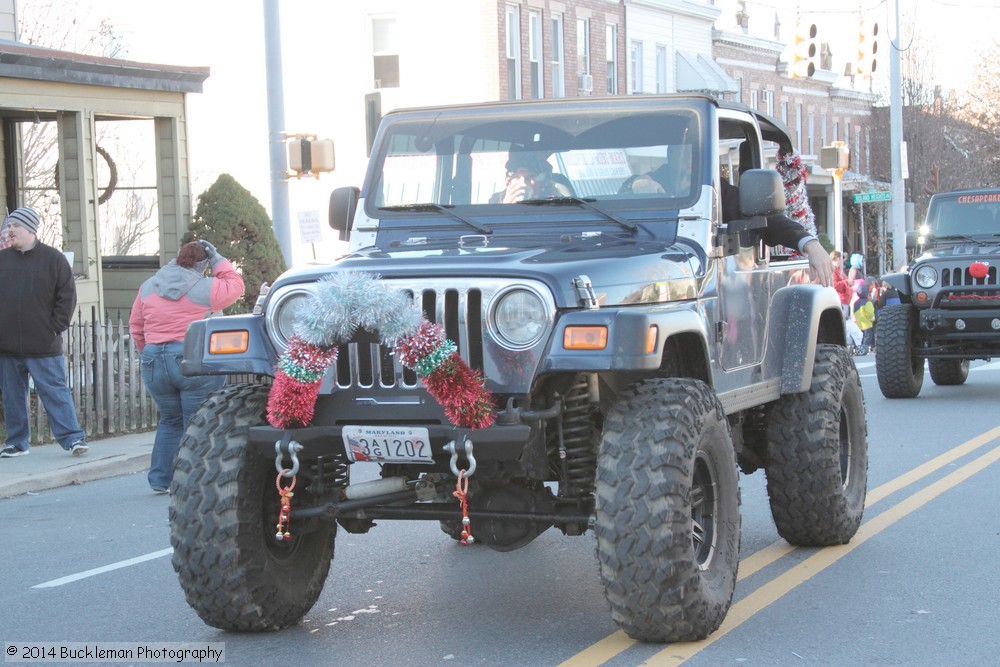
900 281
800 317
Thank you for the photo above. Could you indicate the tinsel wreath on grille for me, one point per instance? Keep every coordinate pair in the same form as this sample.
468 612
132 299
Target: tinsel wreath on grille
793 175
347 302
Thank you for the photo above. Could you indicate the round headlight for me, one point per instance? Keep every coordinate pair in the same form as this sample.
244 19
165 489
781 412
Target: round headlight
520 318
926 276
284 318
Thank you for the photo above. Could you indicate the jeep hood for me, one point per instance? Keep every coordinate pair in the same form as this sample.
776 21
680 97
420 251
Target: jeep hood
962 250
621 270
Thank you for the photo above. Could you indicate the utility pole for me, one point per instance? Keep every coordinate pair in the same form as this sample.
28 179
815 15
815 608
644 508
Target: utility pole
276 130
898 207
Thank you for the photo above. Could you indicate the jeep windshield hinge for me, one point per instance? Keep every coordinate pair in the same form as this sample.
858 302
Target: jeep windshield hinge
585 292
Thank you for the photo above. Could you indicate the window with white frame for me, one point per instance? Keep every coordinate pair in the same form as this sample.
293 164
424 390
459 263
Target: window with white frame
635 84
125 175
767 98
385 52
836 131
611 46
661 68
798 126
535 54
784 113
822 130
811 139
754 101
513 52
585 82
558 56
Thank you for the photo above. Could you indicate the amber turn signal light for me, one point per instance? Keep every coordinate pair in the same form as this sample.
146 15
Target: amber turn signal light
585 338
228 342
651 336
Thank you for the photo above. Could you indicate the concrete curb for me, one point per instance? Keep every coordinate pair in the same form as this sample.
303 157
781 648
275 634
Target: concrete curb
49 466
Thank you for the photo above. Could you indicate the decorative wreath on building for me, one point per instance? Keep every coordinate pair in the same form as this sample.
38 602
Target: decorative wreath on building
109 189
347 302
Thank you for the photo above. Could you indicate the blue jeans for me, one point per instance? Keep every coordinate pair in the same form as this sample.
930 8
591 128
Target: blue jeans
177 398
49 375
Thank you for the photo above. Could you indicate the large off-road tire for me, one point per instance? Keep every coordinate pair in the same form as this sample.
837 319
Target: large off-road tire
900 373
817 468
948 372
668 511
223 513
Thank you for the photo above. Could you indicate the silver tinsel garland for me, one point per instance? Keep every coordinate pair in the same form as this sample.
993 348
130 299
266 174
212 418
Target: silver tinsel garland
348 301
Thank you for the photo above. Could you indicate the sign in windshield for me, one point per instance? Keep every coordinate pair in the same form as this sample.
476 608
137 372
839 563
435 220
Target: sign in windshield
967 214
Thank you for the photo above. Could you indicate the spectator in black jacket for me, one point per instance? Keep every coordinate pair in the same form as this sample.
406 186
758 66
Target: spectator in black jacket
36 308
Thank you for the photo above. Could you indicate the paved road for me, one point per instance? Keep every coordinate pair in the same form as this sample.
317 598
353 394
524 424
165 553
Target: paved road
917 586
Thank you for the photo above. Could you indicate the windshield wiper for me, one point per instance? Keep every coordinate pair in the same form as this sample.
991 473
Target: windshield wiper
586 203
438 208
956 237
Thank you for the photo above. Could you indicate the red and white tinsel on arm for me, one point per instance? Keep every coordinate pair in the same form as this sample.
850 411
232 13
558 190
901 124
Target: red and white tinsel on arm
349 301
793 175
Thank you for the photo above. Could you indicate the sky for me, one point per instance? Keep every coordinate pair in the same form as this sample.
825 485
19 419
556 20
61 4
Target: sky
228 122
952 30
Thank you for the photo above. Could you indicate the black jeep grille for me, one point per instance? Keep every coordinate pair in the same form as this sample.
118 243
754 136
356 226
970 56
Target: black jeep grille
959 276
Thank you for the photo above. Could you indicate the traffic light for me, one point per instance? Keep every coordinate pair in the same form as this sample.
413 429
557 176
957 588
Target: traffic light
804 50
867 48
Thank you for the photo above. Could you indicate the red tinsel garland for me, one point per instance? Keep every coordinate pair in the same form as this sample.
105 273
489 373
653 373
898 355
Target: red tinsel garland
292 399
460 391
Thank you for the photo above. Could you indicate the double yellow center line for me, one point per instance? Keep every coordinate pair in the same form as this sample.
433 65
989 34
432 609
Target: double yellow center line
760 598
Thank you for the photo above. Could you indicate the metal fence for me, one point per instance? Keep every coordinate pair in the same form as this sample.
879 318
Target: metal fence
103 373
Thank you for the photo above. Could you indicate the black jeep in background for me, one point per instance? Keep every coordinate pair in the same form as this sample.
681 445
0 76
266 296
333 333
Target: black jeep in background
949 310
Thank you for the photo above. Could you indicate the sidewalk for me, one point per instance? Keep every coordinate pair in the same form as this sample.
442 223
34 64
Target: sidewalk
50 466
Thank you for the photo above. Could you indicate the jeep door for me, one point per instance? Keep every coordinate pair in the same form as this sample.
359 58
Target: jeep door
744 283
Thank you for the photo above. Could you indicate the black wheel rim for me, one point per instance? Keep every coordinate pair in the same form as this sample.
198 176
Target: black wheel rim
704 510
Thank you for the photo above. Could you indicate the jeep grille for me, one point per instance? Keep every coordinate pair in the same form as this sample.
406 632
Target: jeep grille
461 308
959 276
960 290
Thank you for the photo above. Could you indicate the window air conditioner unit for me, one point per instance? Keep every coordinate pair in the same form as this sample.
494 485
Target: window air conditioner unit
586 83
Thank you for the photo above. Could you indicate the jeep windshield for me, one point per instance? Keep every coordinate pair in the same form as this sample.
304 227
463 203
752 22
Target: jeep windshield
962 216
491 165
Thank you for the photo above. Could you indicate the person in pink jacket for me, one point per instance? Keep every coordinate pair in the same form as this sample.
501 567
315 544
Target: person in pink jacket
176 295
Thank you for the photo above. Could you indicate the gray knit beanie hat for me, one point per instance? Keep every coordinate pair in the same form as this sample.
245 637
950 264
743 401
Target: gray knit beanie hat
25 216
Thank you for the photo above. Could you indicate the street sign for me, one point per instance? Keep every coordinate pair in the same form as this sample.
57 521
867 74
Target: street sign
864 197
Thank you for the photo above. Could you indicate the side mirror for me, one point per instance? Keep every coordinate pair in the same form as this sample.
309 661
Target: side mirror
761 193
343 206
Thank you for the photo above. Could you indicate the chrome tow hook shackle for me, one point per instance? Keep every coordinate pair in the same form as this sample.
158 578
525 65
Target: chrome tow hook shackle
453 449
